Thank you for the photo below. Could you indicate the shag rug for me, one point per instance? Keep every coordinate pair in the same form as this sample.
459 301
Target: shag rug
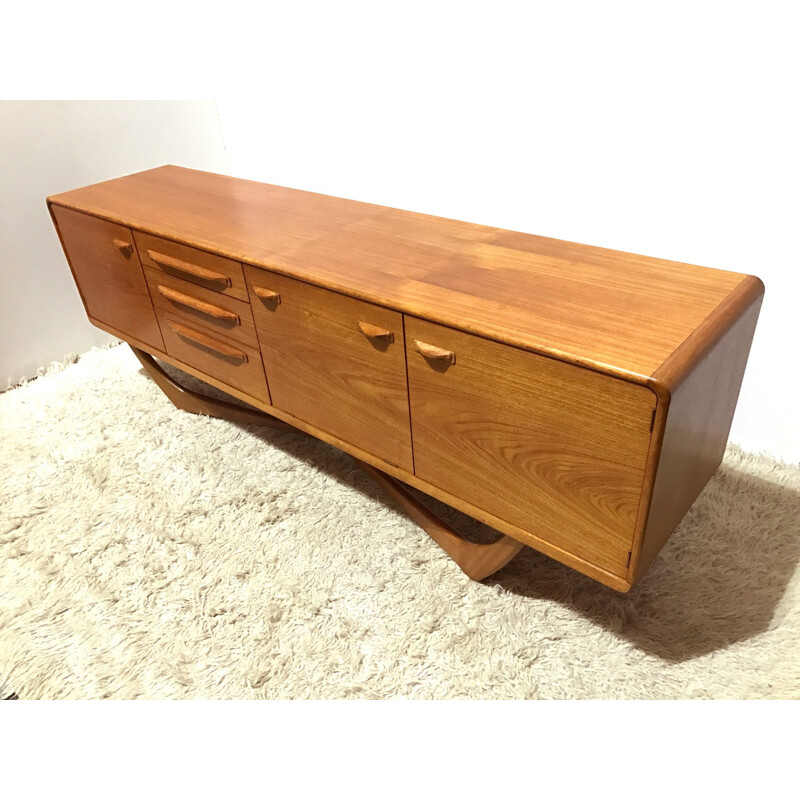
146 552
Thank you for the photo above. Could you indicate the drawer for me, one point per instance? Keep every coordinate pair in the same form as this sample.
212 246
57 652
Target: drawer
552 448
198 266
108 274
225 359
335 362
217 312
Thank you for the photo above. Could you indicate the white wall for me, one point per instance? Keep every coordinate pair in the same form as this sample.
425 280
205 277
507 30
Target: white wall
668 130
49 147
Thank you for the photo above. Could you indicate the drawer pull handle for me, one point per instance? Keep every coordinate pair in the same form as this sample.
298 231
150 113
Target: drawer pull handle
207 341
267 294
376 334
438 354
190 269
199 305
126 248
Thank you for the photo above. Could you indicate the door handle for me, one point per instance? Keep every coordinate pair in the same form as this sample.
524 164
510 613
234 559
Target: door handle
433 353
376 334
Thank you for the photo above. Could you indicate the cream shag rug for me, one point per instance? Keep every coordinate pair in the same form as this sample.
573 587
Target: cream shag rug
145 552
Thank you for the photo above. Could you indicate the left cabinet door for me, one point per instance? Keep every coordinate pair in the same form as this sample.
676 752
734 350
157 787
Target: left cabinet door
335 362
108 274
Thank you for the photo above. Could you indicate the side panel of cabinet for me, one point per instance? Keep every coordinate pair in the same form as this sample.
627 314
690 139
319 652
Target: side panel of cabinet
698 422
324 369
553 448
108 274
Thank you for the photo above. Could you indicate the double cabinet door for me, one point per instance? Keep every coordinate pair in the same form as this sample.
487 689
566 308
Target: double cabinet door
553 449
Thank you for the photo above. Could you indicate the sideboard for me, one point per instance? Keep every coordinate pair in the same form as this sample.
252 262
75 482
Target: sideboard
574 398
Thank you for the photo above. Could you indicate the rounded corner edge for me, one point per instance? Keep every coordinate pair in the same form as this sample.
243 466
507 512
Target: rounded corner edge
661 389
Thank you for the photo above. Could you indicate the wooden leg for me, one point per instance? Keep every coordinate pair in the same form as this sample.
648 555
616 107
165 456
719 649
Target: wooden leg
477 561
196 403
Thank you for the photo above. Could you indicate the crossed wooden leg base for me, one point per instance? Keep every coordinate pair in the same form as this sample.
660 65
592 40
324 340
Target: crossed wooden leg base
477 561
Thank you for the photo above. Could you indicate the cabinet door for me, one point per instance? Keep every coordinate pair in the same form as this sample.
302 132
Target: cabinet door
553 448
108 274
335 362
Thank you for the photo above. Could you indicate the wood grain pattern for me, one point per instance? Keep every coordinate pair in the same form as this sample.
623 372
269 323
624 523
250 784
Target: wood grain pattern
603 576
682 365
110 282
322 369
216 313
617 312
701 409
240 327
188 263
556 450
543 433
477 561
214 355
693 349
224 349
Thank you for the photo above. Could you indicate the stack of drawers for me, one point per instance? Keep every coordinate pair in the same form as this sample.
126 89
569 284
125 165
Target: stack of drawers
203 311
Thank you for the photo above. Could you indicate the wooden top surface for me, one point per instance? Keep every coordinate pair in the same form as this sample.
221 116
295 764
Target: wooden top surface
617 312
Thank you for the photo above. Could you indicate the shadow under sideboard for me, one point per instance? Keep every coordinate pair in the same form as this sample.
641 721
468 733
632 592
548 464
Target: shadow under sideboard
718 581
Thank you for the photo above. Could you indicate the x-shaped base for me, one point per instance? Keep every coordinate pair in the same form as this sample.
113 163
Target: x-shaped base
478 561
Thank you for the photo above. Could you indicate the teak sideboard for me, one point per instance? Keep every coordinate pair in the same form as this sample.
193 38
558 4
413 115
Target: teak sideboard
574 398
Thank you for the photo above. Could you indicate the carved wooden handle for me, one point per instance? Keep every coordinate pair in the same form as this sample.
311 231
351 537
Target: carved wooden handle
435 353
212 344
373 332
126 248
198 305
189 269
267 294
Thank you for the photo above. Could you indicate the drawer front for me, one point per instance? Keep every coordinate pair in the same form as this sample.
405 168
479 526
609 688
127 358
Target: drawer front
217 312
553 448
222 358
188 263
108 274
335 362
